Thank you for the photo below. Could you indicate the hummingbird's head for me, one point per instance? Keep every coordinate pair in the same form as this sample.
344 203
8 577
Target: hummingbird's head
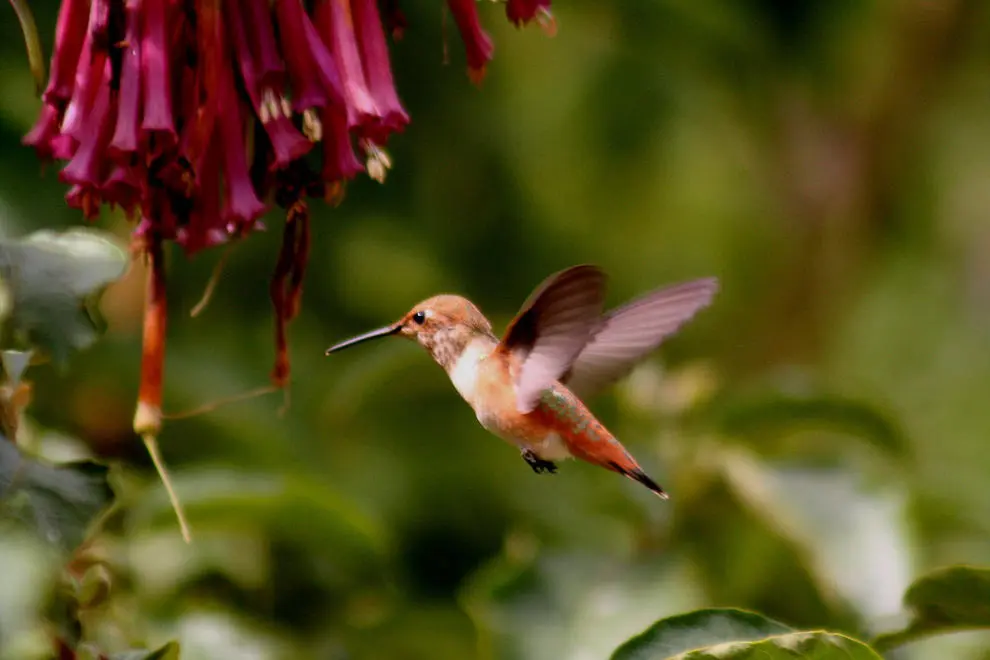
443 325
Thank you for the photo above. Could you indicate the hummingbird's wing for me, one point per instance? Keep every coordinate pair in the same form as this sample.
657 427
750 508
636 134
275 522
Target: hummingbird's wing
628 333
551 328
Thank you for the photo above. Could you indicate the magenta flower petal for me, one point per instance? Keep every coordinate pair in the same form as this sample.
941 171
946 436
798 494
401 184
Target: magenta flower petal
334 23
477 44
122 188
70 33
43 133
83 199
125 137
155 71
374 54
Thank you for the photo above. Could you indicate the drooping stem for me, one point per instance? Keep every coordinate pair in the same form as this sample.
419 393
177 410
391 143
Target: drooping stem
211 284
148 416
36 60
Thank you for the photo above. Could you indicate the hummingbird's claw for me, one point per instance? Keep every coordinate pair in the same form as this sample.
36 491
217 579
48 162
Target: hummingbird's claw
538 464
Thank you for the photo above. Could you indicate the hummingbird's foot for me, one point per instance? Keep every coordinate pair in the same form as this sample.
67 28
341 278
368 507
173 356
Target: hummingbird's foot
538 464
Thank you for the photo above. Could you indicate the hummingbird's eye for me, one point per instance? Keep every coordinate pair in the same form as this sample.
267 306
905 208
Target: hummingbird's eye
419 317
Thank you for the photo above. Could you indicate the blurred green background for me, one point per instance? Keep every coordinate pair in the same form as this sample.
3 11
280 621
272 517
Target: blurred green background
822 429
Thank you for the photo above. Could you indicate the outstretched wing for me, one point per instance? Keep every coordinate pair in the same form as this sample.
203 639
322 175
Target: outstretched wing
552 327
627 334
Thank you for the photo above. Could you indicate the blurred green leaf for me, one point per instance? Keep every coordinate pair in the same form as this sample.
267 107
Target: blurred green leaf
59 502
310 512
774 415
707 635
529 606
947 600
52 282
698 629
169 651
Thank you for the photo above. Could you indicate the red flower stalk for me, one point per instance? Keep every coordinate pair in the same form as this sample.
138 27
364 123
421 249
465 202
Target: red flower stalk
478 45
286 284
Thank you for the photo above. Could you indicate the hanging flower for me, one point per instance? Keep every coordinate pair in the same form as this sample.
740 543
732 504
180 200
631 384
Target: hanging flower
197 116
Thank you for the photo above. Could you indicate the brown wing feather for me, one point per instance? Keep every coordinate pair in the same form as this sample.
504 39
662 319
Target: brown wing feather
552 327
627 334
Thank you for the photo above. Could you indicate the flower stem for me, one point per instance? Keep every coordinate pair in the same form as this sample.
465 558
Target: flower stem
148 416
151 444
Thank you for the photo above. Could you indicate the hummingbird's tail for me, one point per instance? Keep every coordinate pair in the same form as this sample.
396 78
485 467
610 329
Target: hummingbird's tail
636 474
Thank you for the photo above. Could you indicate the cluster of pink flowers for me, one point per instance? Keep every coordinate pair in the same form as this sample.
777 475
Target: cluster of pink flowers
195 116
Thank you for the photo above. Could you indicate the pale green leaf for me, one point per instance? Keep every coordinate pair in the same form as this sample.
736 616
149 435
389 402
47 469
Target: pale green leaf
951 599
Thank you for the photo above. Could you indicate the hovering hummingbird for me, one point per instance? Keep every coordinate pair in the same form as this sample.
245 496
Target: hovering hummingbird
527 388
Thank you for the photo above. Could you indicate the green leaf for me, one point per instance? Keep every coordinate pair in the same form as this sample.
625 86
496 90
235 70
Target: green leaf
684 632
168 652
306 510
774 415
528 604
58 502
51 286
729 633
951 599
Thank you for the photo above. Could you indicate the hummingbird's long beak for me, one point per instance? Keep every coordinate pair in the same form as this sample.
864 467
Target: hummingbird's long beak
374 334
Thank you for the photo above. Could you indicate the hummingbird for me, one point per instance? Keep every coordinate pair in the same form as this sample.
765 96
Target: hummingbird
528 387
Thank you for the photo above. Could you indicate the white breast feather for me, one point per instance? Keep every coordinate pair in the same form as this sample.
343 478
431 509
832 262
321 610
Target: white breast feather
464 375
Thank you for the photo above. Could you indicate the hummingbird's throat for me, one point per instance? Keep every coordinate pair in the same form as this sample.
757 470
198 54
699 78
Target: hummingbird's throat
446 344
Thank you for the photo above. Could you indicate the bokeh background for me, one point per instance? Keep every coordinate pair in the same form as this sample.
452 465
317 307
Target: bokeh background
822 429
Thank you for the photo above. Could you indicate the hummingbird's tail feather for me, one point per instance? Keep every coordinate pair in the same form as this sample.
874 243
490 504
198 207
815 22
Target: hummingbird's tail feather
636 474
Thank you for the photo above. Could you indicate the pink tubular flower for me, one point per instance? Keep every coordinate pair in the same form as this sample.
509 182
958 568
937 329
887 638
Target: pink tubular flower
308 88
155 69
335 25
374 54
273 110
477 44
125 137
70 32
